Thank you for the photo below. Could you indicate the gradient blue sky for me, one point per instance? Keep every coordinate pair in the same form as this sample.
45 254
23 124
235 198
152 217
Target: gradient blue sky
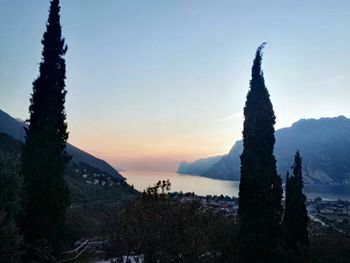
151 83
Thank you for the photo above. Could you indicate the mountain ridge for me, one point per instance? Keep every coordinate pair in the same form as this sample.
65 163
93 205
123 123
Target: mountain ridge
199 166
324 145
15 128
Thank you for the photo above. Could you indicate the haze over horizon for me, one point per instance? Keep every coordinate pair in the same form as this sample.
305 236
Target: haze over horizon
152 83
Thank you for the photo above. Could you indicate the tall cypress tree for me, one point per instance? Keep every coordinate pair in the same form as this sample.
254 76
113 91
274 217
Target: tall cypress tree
260 190
44 155
295 217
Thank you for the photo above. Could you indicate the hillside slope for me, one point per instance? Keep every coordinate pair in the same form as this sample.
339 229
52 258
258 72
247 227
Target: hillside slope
15 129
324 145
199 166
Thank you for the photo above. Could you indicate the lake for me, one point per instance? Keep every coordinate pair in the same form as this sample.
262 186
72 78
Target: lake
206 186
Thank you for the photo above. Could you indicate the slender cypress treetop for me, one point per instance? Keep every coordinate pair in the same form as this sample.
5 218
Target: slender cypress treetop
44 155
297 172
295 217
260 190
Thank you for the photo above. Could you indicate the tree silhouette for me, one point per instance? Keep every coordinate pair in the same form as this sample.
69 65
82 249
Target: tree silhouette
44 155
260 190
295 217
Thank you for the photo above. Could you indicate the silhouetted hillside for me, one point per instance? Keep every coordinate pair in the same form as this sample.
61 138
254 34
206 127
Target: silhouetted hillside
199 166
88 185
15 129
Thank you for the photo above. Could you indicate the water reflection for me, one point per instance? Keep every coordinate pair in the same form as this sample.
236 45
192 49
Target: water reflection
207 186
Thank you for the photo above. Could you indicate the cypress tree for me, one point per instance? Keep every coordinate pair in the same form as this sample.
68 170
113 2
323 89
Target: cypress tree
260 191
295 217
44 155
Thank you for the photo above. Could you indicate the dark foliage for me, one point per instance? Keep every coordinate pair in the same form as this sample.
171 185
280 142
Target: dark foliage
164 229
260 193
10 207
295 217
329 246
39 252
92 203
10 239
44 155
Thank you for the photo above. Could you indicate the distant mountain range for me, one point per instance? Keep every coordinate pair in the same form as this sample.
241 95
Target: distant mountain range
15 128
198 167
324 145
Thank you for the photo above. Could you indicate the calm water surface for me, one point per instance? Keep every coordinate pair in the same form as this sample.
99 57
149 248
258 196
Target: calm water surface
206 186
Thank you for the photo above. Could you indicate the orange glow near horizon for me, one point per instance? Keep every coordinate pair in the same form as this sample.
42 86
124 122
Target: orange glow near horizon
158 152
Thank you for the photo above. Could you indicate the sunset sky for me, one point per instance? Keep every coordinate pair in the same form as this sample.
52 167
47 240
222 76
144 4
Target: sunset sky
151 83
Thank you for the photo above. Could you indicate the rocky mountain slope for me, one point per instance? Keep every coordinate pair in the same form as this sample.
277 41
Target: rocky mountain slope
324 145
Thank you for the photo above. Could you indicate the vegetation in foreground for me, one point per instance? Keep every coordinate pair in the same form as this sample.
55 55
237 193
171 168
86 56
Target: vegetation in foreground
158 227
10 202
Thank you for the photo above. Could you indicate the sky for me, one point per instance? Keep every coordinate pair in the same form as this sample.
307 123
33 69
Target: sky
154 82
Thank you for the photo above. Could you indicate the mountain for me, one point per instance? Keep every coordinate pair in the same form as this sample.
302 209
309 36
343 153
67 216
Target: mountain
15 128
93 193
228 168
324 145
199 166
